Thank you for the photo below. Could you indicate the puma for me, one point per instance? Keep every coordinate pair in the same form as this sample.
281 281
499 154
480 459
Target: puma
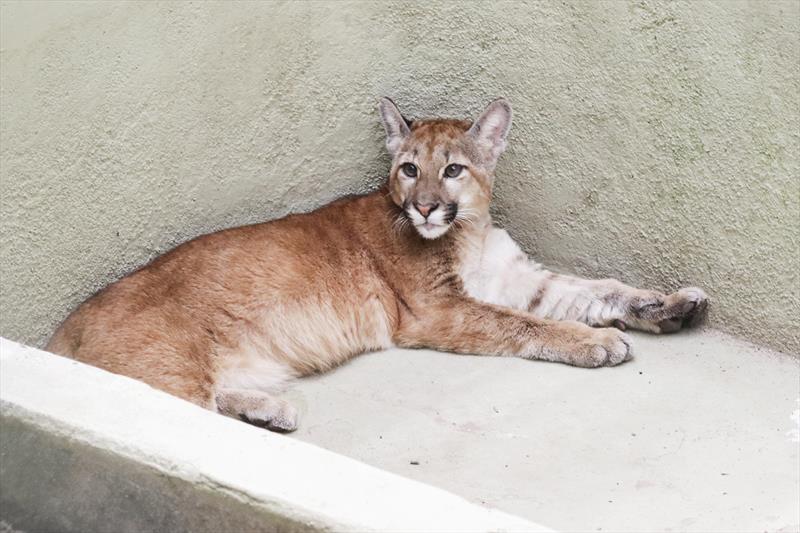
227 319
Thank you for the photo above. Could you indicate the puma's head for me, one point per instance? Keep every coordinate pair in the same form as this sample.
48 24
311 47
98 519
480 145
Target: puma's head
442 169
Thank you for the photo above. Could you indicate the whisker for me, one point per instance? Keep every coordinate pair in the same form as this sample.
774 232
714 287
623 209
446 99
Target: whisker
468 218
400 223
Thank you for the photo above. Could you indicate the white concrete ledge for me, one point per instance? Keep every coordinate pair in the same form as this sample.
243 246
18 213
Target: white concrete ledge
86 450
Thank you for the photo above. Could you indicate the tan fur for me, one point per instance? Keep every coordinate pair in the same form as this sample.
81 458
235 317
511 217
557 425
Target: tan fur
226 319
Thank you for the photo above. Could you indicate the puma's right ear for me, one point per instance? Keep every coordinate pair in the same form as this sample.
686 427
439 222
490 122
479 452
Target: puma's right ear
394 123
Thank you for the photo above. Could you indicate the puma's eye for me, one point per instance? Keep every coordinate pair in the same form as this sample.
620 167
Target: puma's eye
453 170
409 169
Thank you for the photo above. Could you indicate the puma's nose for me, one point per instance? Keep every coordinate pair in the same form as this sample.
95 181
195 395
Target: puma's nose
425 209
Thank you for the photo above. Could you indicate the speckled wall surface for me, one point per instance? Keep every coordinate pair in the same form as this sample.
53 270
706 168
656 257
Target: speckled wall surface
653 141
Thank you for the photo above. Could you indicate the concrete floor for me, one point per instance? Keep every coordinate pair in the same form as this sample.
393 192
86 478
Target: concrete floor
698 433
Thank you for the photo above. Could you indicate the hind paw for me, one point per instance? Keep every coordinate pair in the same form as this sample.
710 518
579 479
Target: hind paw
258 408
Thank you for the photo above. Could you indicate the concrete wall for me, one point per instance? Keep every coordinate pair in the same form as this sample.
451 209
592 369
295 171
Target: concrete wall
654 141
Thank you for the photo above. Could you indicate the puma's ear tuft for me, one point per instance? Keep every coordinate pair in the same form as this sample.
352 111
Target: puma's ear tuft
394 123
491 129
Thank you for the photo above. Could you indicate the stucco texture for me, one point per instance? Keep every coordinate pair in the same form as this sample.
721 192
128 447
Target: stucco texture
656 142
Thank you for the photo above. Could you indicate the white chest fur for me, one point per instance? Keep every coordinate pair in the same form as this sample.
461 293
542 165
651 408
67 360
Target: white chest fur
495 270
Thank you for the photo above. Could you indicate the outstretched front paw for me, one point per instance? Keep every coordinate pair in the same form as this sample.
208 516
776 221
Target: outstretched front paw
671 312
602 347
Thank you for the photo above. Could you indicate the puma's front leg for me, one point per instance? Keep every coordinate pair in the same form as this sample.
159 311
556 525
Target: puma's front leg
609 302
463 325
495 270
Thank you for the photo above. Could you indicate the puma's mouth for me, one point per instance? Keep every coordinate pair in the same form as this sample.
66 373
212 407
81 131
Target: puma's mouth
429 230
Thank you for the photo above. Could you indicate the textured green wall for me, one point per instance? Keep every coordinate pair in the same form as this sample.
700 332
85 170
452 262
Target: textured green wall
653 141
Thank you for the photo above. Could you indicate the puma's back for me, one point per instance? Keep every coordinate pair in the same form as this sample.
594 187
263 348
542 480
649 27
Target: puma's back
301 291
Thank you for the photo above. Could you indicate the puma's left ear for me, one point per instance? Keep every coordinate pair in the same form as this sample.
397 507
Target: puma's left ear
394 123
491 129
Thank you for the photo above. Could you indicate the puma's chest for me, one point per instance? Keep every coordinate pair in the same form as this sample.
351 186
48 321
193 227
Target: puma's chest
495 270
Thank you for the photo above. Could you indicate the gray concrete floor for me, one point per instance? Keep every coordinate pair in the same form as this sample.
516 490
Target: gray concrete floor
698 433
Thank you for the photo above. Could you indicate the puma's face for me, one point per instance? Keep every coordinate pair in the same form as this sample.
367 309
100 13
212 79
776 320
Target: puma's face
442 169
436 178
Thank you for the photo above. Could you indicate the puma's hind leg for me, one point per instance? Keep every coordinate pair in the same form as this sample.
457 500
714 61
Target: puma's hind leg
259 408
